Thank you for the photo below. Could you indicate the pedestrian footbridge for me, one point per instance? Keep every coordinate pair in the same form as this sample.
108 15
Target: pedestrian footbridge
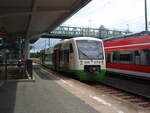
65 32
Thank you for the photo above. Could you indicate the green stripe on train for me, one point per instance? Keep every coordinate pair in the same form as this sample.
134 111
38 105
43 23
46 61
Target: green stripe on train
82 75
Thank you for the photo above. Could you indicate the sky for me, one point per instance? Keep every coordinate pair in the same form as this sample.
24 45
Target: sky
113 14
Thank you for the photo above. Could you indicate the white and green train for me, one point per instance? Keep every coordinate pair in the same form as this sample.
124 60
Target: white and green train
84 57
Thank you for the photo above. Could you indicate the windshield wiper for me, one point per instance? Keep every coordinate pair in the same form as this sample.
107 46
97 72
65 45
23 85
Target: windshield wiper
100 54
84 54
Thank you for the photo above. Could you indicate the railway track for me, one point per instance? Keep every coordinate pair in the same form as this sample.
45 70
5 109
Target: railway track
133 85
133 90
120 93
130 97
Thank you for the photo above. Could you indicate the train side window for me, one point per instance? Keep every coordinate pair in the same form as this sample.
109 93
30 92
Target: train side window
66 55
126 57
148 56
141 57
108 57
115 56
137 53
144 60
137 57
71 48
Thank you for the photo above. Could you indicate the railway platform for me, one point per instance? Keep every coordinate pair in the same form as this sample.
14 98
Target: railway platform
50 93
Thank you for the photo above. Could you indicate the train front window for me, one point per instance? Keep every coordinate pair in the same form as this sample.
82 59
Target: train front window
90 49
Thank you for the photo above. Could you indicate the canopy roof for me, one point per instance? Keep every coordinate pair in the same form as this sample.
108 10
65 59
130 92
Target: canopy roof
29 18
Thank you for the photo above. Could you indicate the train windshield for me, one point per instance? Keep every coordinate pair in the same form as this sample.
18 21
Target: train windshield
90 49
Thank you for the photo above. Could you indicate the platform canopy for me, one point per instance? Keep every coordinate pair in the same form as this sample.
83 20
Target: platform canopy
29 18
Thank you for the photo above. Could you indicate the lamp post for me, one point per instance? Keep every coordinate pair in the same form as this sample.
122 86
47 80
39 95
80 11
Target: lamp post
146 27
90 22
49 42
127 27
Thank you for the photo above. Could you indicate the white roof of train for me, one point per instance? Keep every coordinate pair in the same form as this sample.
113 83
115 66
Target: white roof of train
81 38
130 35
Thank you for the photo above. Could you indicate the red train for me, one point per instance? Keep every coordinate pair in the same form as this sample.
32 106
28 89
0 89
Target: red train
129 55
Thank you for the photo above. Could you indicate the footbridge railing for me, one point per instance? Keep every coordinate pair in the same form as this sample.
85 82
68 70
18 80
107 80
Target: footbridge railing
68 32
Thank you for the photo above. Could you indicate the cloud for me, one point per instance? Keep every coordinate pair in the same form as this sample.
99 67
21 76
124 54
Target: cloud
112 14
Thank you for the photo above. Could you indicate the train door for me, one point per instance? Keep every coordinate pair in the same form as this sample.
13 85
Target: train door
108 57
71 57
56 59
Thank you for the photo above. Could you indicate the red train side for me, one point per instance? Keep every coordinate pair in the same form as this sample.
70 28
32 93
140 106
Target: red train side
129 55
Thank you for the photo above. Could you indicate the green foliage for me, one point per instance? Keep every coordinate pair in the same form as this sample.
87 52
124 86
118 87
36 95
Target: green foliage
35 55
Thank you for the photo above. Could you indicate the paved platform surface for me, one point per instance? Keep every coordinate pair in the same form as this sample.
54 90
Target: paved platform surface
42 96
51 93
97 99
